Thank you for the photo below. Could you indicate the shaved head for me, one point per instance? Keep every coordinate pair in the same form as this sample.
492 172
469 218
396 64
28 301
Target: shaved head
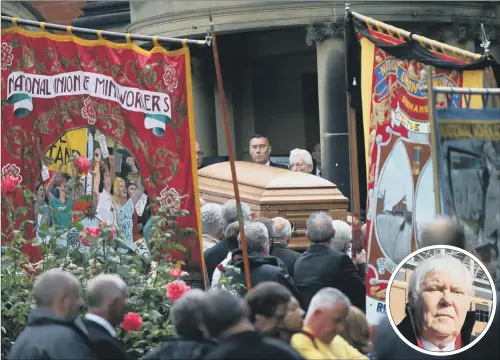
443 231
104 288
59 292
51 285
107 295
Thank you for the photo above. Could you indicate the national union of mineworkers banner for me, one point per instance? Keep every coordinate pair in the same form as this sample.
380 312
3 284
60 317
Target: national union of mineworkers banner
52 85
397 144
468 145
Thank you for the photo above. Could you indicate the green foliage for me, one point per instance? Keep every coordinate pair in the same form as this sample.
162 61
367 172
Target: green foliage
146 279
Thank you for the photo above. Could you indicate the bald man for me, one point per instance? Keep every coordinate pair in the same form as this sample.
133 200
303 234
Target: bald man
52 332
107 300
443 231
283 231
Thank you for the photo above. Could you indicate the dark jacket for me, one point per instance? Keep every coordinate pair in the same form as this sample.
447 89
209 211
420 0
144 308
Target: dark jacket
180 348
407 329
214 256
48 336
388 344
282 252
104 345
278 165
320 266
262 268
252 346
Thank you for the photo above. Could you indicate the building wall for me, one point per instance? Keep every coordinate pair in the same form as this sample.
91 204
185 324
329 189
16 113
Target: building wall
59 12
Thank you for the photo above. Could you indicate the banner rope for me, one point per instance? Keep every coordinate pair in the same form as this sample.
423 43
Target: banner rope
101 33
421 39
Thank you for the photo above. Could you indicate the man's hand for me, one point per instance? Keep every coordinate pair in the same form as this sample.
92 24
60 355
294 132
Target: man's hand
359 257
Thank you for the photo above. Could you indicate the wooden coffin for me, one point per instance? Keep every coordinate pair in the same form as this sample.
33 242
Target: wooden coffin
272 192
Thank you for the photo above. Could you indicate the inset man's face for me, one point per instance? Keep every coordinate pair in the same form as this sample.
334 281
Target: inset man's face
444 302
260 150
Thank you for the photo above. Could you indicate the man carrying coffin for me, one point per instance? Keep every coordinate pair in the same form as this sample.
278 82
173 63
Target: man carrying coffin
437 316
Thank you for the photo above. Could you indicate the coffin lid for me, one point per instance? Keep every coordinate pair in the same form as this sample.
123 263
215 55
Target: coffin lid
266 184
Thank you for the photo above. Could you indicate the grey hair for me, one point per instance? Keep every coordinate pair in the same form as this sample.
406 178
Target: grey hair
328 297
230 213
304 154
256 235
286 231
320 227
342 237
50 284
212 222
440 262
186 314
104 288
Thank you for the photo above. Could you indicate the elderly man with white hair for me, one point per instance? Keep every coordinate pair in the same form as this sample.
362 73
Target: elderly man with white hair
262 266
283 231
324 322
439 296
107 301
212 224
301 161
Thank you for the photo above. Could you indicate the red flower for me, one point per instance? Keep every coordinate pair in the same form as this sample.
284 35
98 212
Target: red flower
83 164
175 273
220 267
75 218
113 233
85 242
176 289
131 322
91 231
9 184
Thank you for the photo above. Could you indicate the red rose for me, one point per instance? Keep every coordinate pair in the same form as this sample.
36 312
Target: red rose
175 273
91 231
220 267
9 184
85 242
131 322
83 164
176 289
113 233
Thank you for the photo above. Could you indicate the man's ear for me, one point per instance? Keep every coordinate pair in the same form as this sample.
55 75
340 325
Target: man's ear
270 149
307 235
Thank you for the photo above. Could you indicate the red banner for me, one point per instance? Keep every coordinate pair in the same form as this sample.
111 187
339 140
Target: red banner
398 156
52 84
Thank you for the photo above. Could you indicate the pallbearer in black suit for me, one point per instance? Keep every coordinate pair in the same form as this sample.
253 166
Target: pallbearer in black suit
107 300
260 150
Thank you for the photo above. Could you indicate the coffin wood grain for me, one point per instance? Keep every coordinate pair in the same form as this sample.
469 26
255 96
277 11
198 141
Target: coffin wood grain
272 192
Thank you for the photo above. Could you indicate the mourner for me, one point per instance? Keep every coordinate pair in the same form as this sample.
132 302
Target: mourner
301 161
260 150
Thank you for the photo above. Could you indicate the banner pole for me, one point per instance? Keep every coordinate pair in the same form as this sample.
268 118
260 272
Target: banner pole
357 242
432 135
99 33
244 247
419 38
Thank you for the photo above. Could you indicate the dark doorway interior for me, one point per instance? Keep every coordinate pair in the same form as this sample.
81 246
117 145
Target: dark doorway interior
311 109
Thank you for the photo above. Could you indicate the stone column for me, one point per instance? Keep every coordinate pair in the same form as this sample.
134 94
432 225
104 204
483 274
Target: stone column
332 103
204 110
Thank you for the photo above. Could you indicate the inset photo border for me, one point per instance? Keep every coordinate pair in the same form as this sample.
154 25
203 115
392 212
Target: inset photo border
446 287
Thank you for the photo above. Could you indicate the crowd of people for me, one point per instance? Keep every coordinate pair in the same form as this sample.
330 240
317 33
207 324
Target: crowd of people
308 305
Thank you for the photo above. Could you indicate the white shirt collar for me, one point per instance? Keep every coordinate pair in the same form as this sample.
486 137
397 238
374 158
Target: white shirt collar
318 172
268 163
103 322
431 347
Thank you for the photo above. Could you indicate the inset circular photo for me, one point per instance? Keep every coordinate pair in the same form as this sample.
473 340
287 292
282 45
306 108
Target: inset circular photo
441 300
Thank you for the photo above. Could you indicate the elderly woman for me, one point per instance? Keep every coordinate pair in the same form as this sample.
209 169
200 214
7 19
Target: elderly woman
437 316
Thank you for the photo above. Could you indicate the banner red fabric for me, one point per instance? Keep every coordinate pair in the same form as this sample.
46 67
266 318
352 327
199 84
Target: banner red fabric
52 84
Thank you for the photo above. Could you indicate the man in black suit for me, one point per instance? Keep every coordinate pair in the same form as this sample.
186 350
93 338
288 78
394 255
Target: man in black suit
283 231
260 150
320 266
107 299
